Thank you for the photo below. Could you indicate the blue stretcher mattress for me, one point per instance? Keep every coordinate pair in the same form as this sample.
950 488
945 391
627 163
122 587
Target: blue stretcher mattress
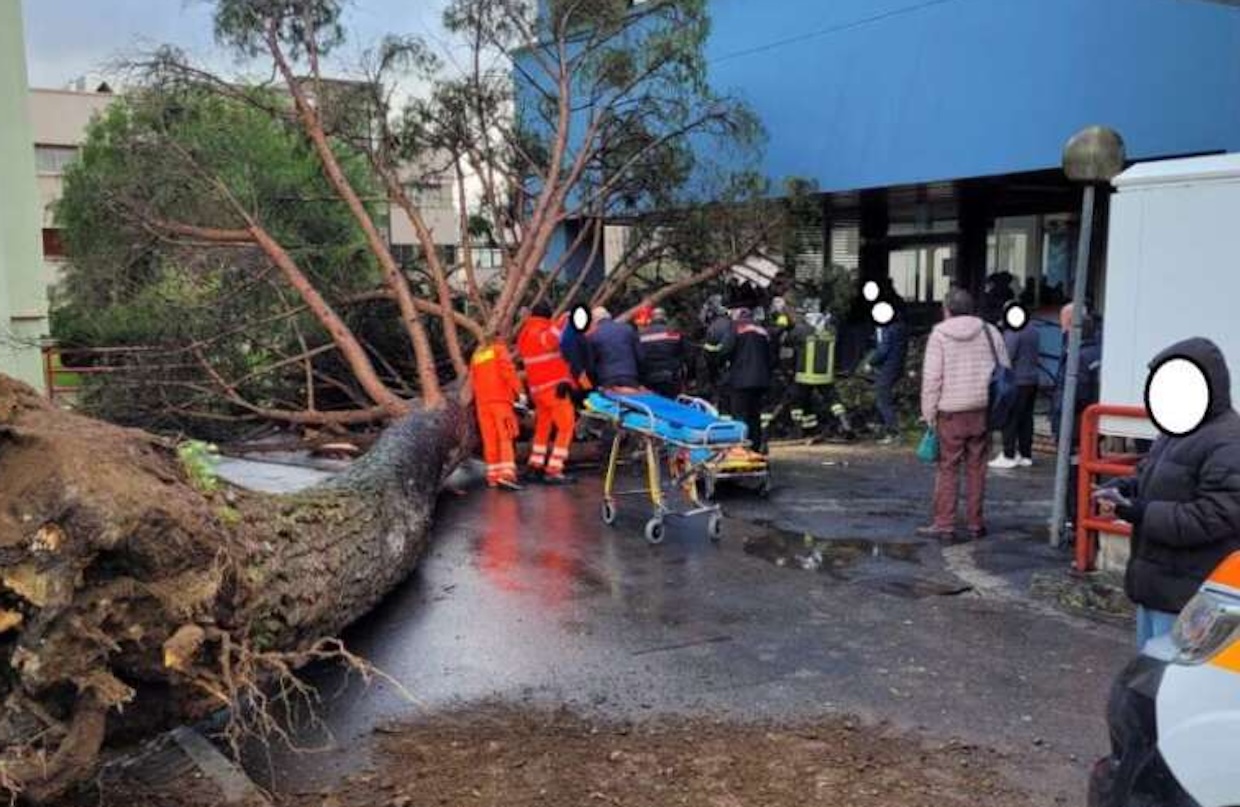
672 420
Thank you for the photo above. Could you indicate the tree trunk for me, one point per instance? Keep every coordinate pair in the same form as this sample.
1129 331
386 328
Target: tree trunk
123 585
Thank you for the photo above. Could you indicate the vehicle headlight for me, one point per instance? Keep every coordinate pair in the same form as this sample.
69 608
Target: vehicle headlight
1205 626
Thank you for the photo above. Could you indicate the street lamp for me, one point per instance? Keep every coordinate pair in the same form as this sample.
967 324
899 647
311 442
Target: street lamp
1093 156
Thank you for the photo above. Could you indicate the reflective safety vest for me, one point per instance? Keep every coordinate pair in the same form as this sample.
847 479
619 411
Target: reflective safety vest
815 359
539 346
493 375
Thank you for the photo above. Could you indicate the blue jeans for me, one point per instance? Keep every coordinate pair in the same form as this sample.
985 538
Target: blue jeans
884 388
1152 624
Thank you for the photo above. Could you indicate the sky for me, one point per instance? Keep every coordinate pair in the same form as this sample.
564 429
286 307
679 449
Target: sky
66 39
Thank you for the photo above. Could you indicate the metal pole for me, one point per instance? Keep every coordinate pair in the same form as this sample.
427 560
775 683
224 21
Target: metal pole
1067 415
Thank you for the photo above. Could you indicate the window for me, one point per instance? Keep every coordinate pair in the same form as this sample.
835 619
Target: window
53 159
430 193
53 246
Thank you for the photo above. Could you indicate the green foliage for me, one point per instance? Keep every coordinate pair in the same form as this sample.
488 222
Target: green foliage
200 461
178 153
242 24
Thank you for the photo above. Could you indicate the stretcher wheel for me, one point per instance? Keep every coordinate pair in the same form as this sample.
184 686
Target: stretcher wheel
714 527
609 513
654 530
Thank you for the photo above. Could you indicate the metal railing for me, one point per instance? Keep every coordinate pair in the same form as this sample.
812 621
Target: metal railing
1092 464
62 381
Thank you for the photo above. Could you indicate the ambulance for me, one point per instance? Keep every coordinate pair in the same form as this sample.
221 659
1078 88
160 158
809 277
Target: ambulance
1174 712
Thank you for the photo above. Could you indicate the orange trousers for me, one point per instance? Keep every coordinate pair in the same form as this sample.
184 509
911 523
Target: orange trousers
497 424
552 412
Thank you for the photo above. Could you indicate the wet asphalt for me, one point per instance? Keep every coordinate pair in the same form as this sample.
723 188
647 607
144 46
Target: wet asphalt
818 601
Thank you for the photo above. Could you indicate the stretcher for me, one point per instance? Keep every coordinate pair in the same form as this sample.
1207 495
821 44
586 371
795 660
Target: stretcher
692 435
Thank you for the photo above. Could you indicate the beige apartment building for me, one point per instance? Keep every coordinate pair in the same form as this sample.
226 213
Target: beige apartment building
59 119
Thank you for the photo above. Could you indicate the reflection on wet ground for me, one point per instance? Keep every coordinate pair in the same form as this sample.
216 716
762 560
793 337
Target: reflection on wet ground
529 600
894 567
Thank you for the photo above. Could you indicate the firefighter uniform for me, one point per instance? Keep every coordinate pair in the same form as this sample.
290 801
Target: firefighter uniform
661 359
748 350
550 381
814 378
496 387
779 327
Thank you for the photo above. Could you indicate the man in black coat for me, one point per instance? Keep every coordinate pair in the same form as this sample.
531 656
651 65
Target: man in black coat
747 348
661 356
1184 504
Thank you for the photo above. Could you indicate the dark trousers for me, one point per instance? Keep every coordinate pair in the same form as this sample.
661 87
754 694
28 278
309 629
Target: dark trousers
810 401
1018 434
747 408
963 440
884 399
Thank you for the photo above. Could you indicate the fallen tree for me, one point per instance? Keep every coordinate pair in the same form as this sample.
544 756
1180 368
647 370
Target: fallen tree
132 599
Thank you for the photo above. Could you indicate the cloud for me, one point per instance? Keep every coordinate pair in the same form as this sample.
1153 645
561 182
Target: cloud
66 39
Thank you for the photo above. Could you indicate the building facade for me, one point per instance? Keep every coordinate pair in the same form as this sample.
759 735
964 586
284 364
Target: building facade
59 119
23 295
933 129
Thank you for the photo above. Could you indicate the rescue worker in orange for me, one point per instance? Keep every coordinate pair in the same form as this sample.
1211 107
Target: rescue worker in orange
551 388
496 388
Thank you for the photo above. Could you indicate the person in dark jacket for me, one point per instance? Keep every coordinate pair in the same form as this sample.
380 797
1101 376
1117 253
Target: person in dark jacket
1023 349
747 348
890 352
613 352
719 328
1088 374
661 356
1184 504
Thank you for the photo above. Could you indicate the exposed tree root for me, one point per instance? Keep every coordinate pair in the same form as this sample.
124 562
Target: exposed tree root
131 601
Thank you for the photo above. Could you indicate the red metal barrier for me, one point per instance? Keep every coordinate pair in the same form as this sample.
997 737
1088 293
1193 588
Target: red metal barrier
1093 464
61 381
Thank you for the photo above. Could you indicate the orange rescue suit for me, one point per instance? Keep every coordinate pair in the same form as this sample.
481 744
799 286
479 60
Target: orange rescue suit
496 387
546 372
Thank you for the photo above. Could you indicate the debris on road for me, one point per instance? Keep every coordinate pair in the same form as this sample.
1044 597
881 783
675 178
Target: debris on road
515 758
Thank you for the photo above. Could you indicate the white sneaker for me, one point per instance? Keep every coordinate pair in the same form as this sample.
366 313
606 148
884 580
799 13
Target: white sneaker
1024 462
1002 463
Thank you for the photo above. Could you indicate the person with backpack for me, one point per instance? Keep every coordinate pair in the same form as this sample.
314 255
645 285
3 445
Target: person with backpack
962 353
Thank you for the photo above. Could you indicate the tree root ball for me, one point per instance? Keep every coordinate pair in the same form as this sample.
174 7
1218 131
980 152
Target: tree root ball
131 600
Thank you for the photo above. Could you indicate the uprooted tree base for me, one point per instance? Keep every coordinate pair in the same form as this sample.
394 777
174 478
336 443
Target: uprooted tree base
131 600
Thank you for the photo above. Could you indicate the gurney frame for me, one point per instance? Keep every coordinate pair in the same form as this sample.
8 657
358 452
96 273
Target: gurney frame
685 472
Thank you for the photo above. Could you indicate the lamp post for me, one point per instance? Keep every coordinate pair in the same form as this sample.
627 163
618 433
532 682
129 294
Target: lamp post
1093 156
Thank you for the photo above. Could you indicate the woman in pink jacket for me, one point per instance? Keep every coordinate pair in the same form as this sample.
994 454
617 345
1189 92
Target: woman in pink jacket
960 357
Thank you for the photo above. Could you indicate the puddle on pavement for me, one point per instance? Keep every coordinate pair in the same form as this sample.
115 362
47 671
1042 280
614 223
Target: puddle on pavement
804 551
894 567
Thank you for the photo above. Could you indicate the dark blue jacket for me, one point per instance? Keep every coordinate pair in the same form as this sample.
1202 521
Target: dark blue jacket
1023 348
888 361
613 351
748 350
